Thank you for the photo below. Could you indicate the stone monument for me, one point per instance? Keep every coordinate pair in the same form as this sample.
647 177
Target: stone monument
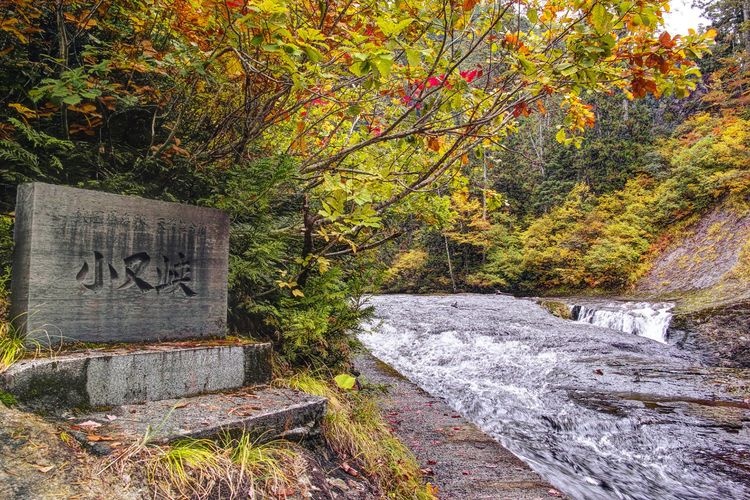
97 267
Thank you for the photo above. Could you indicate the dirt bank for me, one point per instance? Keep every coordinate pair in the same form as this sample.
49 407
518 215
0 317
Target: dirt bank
460 460
706 271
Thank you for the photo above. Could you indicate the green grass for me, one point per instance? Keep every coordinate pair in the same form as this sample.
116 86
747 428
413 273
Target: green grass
8 399
354 428
12 344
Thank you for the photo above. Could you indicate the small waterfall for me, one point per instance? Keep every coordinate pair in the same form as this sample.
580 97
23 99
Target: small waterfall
639 318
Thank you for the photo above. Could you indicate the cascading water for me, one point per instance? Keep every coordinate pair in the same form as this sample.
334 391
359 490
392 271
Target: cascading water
639 318
600 414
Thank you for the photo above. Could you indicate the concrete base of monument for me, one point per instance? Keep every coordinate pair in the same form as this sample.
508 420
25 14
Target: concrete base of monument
266 413
92 378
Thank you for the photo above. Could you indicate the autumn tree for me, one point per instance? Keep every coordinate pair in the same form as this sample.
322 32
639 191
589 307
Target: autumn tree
312 123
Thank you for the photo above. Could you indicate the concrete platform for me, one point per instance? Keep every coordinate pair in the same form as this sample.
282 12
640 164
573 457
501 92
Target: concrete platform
266 413
95 379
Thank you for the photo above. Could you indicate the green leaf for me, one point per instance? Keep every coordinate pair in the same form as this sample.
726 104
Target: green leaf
413 57
389 28
313 54
568 70
600 18
359 68
345 381
383 64
71 100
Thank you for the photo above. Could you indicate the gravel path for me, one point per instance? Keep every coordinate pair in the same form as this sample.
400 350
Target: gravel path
463 462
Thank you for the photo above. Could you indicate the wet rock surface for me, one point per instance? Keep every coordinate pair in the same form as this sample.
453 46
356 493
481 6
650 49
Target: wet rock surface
462 461
720 334
598 413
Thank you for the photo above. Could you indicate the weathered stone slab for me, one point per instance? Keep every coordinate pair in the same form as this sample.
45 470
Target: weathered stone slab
266 414
117 377
92 266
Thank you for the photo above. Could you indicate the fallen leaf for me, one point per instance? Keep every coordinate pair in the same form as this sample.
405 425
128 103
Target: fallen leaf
111 417
181 404
349 469
96 437
598 372
431 462
44 468
89 424
554 492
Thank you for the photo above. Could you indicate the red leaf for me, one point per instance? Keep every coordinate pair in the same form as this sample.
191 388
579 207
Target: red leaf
666 40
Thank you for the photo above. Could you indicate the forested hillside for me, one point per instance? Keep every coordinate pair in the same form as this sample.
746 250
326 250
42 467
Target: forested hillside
328 131
541 216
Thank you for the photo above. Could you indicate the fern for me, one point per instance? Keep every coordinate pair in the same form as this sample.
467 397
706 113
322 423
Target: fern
32 155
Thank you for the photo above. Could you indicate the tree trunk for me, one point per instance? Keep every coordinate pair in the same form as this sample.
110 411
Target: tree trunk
307 245
450 264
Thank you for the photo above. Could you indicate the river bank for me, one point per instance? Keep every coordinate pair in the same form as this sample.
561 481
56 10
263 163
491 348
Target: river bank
457 457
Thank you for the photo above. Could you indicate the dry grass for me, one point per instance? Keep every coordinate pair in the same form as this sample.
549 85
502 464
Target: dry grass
231 468
354 428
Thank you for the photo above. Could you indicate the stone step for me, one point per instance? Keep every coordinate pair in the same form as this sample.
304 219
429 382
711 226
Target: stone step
266 413
95 379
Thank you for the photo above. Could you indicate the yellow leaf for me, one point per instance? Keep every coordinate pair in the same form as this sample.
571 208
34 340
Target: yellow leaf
26 112
298 293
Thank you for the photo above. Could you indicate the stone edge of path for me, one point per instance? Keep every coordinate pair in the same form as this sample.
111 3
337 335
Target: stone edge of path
462 461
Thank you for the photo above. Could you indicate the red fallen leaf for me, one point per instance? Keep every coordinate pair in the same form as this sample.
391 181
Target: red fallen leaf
465 473
455 416
431 462
349 469
598 372
456 428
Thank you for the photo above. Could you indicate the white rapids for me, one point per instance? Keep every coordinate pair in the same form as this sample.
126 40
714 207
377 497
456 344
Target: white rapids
599 414
639 318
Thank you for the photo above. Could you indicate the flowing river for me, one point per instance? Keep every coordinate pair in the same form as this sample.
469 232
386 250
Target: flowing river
599 413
